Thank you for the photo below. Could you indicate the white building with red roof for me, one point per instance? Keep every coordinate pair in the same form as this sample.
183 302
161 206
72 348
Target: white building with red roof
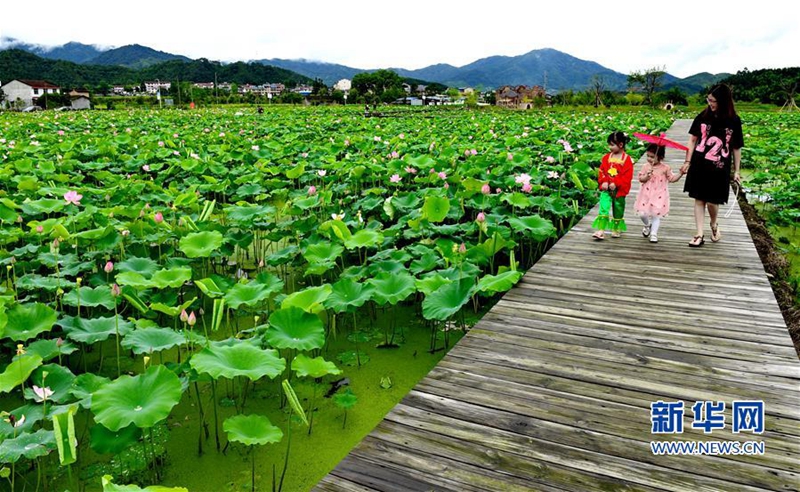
22 93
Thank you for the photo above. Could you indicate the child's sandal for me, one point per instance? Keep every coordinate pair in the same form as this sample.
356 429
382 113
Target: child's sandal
697 241
598 236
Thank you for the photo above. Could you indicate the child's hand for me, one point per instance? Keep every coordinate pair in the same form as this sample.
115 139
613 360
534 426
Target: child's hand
612 187
604 186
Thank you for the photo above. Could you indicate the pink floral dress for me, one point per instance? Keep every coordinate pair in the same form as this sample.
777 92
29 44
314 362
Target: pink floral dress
653 198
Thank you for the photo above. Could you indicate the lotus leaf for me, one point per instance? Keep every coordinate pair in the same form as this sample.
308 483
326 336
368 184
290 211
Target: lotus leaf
64 433
392 288
534 226
200 244
27 321
33 413
365 238
143 266
248 214
345 399
109 486
89 297
322 256
50 349
209 287
309 299
142 400
435 208
448 299
251 429
316 368
347 293
498 283
172 310
294 328
94 330
85 385
149 340
517 200
18 371
29 446
104 441
283 256
425 263
172 277
351 359
242 359
431 283
249 294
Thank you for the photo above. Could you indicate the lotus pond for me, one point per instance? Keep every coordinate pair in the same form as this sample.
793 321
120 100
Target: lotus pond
222 300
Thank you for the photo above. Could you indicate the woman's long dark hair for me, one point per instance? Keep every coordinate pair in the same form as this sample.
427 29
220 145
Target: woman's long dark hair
725 109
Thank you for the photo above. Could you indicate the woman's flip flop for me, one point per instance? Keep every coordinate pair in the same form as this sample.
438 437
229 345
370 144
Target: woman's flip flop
715 234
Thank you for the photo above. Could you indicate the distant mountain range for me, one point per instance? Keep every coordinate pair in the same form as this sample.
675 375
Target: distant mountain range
547 67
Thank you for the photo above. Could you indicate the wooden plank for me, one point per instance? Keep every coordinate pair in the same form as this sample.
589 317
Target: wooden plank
332 483
637 378
688 348
477 429
450 370
661 361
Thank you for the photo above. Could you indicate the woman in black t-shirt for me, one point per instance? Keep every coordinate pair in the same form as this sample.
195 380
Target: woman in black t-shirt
714 146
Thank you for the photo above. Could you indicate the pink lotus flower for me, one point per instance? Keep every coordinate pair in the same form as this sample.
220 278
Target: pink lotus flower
312 190
322 173
395 155
395 178
552 175
73 197
481 217
403 135
221 134
376 138
109 267
125 232
473 152
115 290
498 190
304 154
61 132
467 152
160 143
567 146
510 156
447 186
442 175
146 168
41 394
192 319
486 189
411 170
527 187
254 147
462 249
523 178
184 316
39 229
346 142
158 217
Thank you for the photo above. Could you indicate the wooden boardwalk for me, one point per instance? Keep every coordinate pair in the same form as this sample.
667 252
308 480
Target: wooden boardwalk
551 390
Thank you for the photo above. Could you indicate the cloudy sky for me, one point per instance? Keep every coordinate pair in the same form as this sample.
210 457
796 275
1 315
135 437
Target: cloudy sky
686 37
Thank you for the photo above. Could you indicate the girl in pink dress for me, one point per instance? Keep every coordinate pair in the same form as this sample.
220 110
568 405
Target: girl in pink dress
652 203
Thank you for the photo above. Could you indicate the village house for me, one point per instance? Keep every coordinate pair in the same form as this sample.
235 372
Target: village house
81 102
154 87
79 92
23 93
518 97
